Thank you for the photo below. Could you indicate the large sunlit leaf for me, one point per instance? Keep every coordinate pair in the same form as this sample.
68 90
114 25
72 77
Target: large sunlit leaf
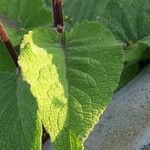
20 127
74 82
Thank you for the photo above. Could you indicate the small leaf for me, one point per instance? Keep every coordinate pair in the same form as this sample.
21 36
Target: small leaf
129 72
73 83
146 41
20 127
135 52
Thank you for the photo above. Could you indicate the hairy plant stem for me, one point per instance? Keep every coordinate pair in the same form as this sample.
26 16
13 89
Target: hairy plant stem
58 21
58 15
6 41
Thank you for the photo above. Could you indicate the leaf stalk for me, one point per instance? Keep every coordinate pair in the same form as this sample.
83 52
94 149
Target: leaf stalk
6 41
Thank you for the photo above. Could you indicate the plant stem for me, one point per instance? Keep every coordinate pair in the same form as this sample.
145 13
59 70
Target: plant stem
58 15
5 39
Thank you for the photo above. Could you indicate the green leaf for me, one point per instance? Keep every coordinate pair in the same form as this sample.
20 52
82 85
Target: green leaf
129 72
146 41
137 51
73 82
127 19
6 63
134 53
19 16
20 127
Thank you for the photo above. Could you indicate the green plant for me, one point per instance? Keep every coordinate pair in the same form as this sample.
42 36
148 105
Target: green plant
65 77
